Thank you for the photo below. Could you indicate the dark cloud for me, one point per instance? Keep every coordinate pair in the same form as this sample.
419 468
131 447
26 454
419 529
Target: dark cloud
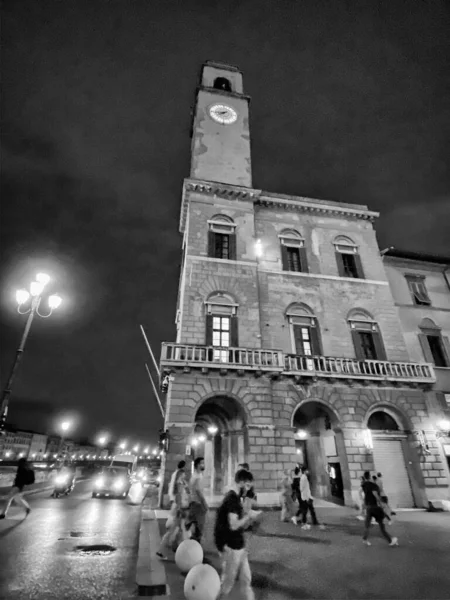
349 102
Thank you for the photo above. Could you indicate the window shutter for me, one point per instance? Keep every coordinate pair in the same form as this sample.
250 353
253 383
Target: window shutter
426 348
315 341
358 266
284 258
380 352
298 339
234 341
209 329
446 344
232 246
303 260
340 265
211 244
357 344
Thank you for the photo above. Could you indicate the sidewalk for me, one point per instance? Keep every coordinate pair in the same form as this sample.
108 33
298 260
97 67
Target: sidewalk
289 563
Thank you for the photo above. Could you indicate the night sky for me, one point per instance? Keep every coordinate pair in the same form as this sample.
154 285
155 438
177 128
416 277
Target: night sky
350 102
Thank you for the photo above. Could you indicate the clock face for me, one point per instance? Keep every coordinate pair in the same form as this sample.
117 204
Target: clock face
225 115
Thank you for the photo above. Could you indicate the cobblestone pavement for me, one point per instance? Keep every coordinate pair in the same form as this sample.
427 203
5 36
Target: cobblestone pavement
290 564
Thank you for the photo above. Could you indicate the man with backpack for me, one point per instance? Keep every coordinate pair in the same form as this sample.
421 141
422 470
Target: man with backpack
24 476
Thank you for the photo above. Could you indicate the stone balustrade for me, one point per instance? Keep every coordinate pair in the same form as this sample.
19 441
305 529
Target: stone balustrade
188 355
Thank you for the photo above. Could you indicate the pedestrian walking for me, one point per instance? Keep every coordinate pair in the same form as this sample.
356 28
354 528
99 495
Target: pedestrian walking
286 501
230 539
296 475
307 503
24 476
362 507
248 497
198 506
178 494
384 499
372 501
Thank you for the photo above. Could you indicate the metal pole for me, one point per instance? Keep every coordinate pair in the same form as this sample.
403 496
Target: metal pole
7 391
156 392
150 350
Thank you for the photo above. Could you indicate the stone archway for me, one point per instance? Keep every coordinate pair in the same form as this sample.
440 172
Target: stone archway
220 436
320 446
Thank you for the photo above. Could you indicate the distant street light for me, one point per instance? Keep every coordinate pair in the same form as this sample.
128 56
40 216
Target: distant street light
154 452
23 297
123 445
136 448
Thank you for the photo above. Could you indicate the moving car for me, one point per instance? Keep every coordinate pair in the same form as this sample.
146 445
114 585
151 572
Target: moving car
113 482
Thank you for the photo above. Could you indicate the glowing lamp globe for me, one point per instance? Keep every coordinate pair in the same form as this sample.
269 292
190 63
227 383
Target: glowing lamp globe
189 553
202 583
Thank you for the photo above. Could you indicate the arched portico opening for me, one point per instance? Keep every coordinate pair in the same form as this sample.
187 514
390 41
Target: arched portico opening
320 447
391 447
220 436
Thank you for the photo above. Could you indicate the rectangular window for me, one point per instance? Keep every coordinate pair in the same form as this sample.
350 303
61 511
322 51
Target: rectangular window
437 350
349 264
306 339
418 290
221 337
367 345
222 245
293 257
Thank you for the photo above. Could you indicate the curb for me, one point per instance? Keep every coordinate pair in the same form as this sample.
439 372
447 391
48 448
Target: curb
151 577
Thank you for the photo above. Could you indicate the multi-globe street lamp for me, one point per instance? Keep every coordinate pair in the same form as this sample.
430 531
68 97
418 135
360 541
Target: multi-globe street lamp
28 303
64 426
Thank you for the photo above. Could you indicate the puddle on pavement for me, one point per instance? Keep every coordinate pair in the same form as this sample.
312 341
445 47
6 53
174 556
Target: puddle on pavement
96 549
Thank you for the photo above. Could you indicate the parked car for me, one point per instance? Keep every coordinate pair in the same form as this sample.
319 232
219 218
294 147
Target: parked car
114 482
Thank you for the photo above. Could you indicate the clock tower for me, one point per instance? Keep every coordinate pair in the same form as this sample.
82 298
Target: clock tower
220 129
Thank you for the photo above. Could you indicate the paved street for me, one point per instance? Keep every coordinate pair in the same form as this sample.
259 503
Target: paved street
290 564
39 557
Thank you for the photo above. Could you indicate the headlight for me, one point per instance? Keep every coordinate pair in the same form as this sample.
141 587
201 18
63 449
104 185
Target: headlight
119 484
99 482
60 479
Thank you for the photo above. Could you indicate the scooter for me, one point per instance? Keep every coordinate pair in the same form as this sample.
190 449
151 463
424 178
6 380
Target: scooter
64 484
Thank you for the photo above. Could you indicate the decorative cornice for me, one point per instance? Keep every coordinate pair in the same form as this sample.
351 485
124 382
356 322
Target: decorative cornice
309 205
214 189
265 199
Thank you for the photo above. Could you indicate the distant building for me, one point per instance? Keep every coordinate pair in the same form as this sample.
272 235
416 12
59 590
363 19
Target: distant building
420 285
37 447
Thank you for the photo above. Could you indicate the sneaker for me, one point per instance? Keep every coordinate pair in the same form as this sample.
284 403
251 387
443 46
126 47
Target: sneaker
306 526
27 510
367 543
294 520
2 516
161 556
394 542
360 518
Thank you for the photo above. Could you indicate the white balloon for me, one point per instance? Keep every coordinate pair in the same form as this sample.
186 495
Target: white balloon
202 583
189 553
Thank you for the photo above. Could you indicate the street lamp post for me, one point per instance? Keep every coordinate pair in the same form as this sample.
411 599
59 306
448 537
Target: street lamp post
65 426
22 297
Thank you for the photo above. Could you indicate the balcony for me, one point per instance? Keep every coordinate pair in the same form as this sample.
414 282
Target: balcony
349 368
216 357
275 361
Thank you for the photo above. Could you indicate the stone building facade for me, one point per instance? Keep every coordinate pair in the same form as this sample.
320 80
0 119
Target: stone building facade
289 347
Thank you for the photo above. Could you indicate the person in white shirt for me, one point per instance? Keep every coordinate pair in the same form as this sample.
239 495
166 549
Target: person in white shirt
198 507
307 500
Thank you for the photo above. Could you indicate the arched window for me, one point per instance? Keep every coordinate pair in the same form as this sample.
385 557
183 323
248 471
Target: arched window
293 251
366 335
347 258
435 347
222 237
222 83
382 421
221 324
304 327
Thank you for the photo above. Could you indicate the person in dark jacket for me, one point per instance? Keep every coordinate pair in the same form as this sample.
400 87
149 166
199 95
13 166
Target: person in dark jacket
20 481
